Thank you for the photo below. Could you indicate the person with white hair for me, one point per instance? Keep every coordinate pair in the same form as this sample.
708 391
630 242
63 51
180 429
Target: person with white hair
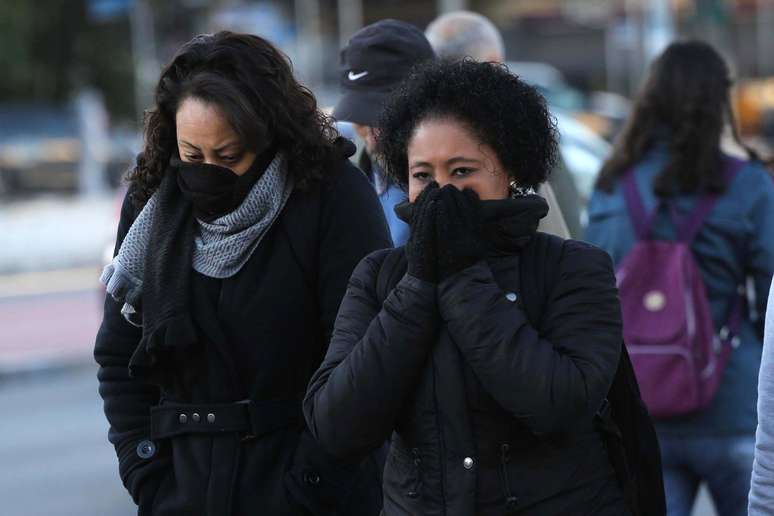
461 34
458 35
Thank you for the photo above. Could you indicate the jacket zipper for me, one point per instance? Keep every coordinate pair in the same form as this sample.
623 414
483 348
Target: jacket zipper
505 457
414 492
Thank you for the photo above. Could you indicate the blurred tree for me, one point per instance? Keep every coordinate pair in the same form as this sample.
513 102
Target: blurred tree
49 49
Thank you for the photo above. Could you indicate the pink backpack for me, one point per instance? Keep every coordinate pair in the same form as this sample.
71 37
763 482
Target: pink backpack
678 356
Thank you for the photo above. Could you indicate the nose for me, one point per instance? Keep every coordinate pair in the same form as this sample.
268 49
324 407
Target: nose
447 181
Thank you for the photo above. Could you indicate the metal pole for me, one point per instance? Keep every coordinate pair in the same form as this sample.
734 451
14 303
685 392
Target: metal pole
444 6
350 13
765 36
309 41
659 30
634 30
146 64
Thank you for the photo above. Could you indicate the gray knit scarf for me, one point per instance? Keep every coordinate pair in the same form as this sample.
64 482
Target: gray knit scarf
221 247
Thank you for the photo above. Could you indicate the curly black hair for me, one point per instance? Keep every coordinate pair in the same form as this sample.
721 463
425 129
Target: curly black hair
503 111
252 83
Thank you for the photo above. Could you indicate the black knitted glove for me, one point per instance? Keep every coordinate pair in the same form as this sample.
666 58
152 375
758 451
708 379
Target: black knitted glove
458 225
421 245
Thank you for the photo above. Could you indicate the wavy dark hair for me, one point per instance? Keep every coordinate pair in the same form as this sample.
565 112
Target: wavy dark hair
502 110
253 85
686 102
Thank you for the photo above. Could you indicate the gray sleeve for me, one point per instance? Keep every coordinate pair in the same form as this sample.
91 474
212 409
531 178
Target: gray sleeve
762 486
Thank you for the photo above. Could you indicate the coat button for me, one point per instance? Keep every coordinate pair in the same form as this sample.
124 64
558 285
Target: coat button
467 463
196 417
511 296
146 449
183 418
210 417
311 478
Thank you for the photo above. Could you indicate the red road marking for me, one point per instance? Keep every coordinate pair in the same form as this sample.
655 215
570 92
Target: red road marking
48 327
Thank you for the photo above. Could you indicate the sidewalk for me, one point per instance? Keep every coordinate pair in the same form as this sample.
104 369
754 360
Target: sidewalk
55 232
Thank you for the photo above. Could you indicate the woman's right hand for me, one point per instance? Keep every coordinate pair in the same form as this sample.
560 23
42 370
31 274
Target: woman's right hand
421 246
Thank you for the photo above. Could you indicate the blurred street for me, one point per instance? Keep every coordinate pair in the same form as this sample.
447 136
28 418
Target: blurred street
81 79
48 328
56 457
47 232
55 454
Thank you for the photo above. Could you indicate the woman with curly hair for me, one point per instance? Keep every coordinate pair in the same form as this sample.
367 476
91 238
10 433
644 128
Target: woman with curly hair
670 156
242 224
484 348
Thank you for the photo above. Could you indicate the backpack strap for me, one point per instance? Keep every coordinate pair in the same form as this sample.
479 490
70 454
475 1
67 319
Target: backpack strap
641 220
689 228
392 270
541 254
686 230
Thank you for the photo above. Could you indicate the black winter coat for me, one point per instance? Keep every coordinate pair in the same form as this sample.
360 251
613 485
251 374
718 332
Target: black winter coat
263 333
489 414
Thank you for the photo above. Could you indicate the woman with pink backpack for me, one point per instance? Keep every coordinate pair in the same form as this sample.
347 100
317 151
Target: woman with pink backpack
687 226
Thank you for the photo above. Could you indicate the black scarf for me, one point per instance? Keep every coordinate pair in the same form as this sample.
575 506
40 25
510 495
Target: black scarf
166 314
506 225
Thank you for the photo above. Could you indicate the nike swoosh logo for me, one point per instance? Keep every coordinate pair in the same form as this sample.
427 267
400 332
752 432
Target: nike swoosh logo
355 76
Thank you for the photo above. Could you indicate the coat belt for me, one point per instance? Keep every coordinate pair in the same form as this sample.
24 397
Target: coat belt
251 418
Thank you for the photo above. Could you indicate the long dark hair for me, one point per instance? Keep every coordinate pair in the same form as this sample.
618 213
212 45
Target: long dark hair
253 84
685 101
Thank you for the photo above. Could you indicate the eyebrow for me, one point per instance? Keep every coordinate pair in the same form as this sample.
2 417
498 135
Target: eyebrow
461 159
450 161
218 150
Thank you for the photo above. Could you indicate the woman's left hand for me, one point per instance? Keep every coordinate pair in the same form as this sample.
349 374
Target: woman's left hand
457 224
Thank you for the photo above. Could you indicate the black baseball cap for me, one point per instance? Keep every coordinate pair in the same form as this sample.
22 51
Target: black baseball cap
376 59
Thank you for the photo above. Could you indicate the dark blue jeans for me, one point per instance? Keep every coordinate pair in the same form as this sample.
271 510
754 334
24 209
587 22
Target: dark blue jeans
724 463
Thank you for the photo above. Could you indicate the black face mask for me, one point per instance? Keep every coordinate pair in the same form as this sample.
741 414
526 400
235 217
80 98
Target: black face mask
215 191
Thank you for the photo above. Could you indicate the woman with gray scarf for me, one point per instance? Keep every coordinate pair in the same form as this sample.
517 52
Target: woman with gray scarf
241 227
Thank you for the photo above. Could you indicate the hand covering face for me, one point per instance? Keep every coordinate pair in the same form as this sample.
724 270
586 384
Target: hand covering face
421 245
458 229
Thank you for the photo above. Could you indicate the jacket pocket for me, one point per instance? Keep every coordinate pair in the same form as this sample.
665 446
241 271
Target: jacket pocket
324 486
551 470
152 505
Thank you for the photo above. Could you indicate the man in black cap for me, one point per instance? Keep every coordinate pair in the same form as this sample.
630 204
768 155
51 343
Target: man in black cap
376 59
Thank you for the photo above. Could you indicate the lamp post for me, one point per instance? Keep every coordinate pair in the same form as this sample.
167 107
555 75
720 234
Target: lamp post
444 6
309 40
350 15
